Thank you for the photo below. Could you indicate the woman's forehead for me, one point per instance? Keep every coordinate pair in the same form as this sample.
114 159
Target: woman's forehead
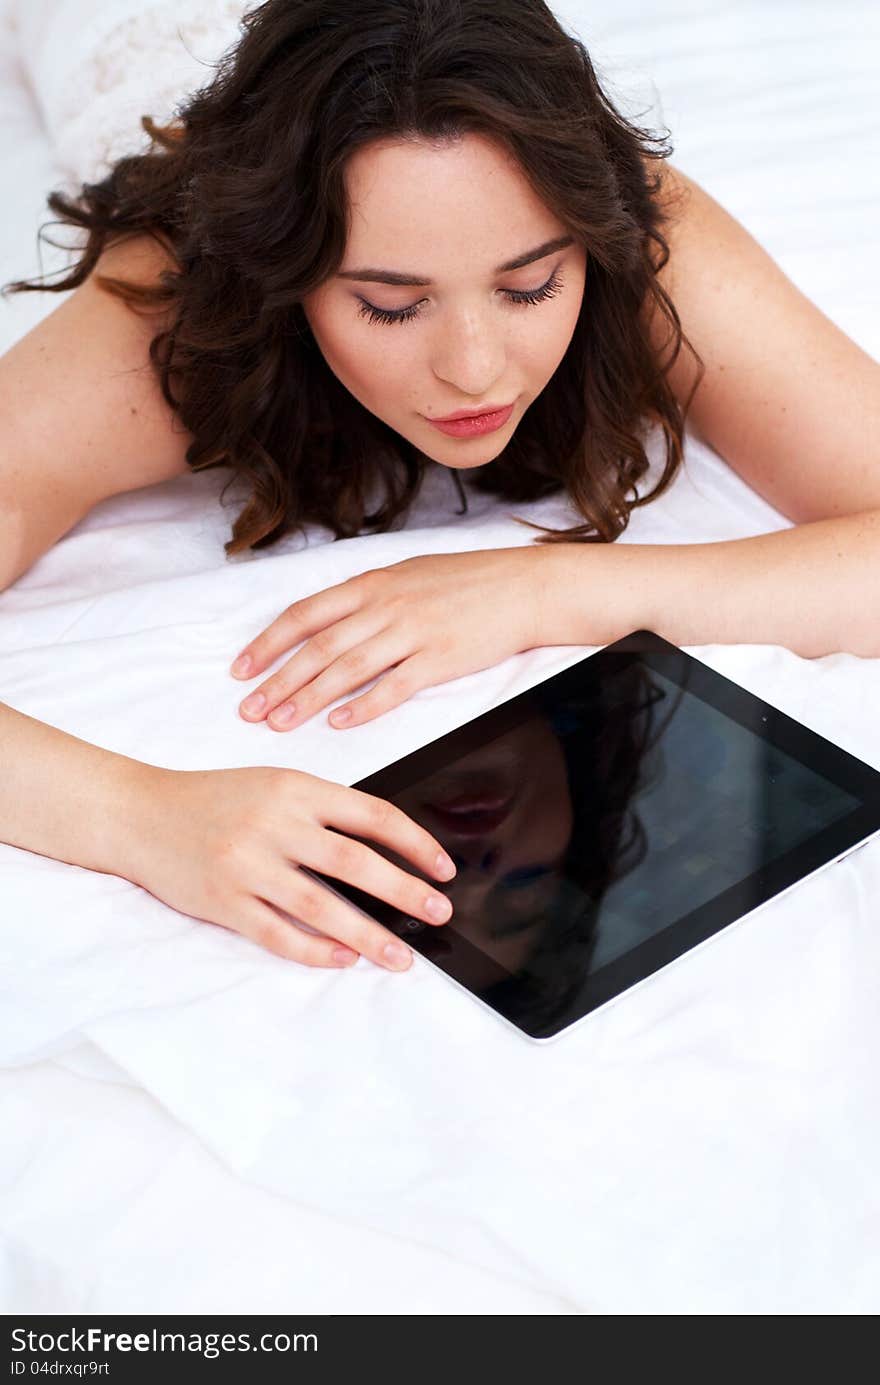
419 206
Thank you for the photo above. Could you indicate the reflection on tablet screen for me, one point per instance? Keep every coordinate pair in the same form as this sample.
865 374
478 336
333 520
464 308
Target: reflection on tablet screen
590 822
606 830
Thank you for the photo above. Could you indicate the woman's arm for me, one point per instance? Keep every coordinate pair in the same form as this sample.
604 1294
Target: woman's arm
65 798
814 589
223 845
787 399
82 416
794 406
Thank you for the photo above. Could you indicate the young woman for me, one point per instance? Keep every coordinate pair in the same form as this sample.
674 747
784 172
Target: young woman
377 219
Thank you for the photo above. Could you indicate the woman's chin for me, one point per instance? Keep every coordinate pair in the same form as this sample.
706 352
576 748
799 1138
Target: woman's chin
464 460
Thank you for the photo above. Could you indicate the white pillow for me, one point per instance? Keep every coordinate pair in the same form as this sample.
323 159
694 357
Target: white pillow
96 66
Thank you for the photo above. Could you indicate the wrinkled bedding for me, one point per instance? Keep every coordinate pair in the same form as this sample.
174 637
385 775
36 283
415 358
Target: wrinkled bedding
193 1124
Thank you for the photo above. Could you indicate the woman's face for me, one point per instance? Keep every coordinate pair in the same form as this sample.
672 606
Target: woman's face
451 217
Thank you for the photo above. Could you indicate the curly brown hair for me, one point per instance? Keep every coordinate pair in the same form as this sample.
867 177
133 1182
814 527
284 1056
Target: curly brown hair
246 185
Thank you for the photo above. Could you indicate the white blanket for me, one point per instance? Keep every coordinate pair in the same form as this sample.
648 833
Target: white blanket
238 1132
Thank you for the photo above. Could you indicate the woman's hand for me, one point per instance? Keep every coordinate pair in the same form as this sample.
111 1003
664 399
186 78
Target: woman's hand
226 846
427 620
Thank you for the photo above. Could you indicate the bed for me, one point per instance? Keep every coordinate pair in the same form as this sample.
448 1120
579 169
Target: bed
191 1124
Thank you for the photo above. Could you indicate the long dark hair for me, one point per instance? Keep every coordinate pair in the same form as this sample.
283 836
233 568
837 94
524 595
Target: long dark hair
246 185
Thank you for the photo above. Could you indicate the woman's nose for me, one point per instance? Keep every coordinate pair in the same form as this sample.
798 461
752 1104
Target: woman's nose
481 856
471 357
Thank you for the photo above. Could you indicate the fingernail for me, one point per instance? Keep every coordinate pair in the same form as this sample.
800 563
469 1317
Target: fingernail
397 955
438 907
255 703
241 666
341 715
343 956
444 867
283 714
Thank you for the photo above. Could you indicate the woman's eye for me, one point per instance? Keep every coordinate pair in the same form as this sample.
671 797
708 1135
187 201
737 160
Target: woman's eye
548 290
518 296
518 878
387 314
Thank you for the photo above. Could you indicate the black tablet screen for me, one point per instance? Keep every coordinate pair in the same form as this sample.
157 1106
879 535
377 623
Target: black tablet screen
592 814
714 803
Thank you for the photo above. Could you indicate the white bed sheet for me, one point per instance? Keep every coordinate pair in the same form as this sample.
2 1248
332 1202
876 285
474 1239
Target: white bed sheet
192 1124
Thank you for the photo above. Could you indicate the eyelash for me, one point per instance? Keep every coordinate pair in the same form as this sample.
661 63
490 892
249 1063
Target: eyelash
522 297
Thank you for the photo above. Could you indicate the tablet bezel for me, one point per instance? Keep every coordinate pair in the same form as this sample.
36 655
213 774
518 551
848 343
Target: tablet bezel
690 930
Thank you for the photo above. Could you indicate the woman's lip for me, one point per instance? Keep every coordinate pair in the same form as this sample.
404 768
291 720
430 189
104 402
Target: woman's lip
475 425
471 413
472 815
474 803
480 825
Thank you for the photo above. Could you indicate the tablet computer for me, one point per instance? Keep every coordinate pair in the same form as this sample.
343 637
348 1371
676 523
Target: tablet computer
609 819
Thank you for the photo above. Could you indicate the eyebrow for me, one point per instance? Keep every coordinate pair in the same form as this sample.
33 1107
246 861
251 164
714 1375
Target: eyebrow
389 276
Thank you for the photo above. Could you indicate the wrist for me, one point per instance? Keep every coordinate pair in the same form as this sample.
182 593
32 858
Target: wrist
68 799
591 593
129 792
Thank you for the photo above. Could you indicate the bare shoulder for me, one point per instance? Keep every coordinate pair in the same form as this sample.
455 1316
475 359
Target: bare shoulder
82 414
79 395
139 258
788 399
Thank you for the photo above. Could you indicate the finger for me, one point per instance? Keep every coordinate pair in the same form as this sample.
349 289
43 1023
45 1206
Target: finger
358 665
398 686
310 901
342 858
313 658
264 925
298 622
364 815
